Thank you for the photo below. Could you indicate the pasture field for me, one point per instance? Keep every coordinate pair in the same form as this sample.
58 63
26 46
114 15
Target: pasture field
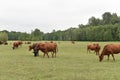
72 63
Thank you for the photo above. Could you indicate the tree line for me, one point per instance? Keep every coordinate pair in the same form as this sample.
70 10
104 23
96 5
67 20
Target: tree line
105 29
35 35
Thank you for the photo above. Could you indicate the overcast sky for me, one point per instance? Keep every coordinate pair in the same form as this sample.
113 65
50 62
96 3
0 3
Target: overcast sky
46 15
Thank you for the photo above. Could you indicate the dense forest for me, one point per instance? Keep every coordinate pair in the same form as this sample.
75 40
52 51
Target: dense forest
105 29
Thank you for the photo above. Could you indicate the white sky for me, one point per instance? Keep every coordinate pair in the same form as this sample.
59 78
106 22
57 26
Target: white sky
46 15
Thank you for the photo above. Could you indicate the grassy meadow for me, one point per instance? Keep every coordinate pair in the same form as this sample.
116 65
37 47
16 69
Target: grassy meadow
72 63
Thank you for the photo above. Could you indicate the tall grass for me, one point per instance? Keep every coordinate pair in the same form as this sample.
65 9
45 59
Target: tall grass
72 63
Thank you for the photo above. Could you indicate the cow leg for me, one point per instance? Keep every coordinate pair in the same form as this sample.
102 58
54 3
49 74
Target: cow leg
108 57
55 53
113 57
47 55
52 54
43 55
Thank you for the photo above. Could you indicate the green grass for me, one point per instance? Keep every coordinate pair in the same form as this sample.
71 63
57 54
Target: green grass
72 63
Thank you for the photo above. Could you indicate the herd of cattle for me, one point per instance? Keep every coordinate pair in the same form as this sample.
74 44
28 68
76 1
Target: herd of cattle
46 47
109 49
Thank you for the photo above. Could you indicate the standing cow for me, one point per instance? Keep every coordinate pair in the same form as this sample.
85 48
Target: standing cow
110 49
93 47
45 48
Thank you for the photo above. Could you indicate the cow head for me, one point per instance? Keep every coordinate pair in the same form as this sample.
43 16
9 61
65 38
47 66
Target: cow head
35 53
35 50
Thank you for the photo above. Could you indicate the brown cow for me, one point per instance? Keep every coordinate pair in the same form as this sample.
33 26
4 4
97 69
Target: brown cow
93 47
17 44
45 48
110 49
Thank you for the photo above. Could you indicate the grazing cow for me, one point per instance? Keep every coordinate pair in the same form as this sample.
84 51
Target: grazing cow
110 49
17 44
93 47
45 48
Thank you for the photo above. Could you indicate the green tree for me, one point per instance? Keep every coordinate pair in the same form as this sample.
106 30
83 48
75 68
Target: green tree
94 22
36 35
115 19
107 18
3 36
118 32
